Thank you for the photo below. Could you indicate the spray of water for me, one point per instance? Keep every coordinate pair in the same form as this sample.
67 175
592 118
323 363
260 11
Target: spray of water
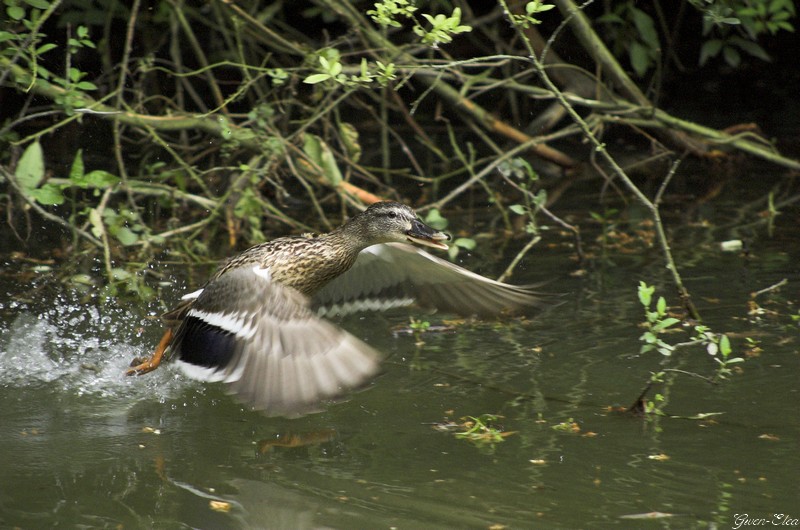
78 350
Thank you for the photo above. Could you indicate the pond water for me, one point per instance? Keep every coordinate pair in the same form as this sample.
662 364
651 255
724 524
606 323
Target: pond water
83 446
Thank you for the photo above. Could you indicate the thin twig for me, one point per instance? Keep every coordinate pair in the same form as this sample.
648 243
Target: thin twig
667 179
770 288
510 269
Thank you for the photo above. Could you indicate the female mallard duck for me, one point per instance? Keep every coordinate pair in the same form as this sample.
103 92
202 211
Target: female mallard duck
256 324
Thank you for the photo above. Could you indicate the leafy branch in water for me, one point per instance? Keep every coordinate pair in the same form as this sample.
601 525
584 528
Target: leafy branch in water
482 430
657 323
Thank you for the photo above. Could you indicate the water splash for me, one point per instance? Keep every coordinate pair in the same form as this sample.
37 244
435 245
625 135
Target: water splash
78 350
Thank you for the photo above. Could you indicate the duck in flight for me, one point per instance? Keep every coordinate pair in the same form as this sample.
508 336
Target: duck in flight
258 325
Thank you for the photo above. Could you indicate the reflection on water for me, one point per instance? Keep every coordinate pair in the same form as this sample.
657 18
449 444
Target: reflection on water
83 445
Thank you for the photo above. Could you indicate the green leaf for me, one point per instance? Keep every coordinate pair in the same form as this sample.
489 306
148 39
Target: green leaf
100 179
76 171
44 48
639 58
30 169
319 152
751 48
15 12
350 140
75 74
48 194
645 294
316 78
645 27
517 209
664 324
467 243
540 199
610 18
38 4
435 219
126 236
96 220
120 274
661 306
93 179
710 48
532 8
452 252
86 85
725 346
82 279
732 56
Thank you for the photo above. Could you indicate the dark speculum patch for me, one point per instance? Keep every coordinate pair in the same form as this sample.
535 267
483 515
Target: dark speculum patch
202 344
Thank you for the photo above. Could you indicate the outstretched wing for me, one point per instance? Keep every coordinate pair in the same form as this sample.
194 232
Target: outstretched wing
262 340
397 274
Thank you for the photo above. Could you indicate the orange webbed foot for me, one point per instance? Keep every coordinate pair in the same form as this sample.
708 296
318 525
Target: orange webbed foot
141 366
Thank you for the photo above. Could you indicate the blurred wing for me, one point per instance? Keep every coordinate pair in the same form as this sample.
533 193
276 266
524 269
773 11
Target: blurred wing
263 341
396 274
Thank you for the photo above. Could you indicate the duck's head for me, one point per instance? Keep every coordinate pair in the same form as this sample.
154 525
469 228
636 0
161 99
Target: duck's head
386 222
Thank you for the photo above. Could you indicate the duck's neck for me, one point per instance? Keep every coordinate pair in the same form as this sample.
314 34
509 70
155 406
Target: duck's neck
347 240
350 237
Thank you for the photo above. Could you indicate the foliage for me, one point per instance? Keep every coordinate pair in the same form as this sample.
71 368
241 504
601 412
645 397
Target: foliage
729 28
719 348
657 323
568 426
434 219
532 9
482 430
442 27
522 171
633 30
387 12
217 128
733 26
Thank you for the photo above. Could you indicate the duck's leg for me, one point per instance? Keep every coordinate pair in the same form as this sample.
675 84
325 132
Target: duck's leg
141 367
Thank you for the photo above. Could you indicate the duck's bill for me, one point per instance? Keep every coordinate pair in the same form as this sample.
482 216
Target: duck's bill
423 234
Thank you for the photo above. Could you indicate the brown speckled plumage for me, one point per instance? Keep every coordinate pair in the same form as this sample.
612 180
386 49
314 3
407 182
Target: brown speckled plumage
307 263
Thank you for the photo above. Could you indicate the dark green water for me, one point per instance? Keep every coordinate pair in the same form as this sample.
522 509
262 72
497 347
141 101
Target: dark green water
81 446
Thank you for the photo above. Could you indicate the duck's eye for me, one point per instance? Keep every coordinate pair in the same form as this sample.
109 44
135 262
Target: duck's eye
392 215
